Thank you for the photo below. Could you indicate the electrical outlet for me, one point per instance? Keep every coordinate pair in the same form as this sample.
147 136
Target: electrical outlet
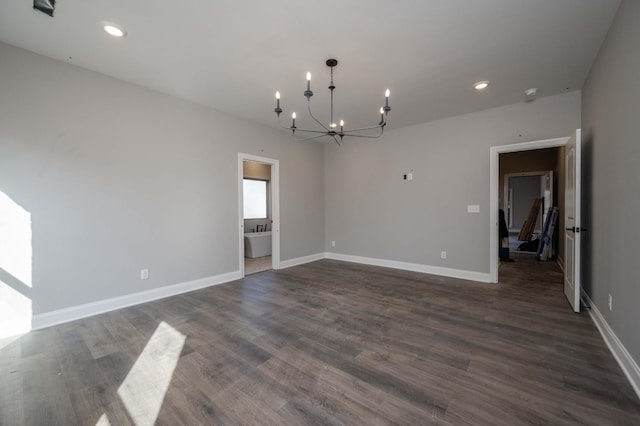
333 243
443 255
144 274
473 209
610 303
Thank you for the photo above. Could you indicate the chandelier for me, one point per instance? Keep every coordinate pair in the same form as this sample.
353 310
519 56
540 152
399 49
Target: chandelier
331 129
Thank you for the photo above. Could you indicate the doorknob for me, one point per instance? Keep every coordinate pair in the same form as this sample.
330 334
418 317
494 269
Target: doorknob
575 229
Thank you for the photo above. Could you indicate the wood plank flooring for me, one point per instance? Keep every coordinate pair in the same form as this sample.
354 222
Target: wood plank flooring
327 343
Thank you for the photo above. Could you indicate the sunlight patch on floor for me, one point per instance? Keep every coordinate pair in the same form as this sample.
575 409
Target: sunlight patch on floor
103 421
144 388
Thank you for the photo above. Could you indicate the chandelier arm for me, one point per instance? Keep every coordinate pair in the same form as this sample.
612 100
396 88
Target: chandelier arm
379 126
314 131
336 139
314 117
366 136
313 137
301 130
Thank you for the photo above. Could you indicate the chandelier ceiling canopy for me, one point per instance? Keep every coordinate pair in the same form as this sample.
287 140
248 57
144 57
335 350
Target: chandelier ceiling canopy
332 129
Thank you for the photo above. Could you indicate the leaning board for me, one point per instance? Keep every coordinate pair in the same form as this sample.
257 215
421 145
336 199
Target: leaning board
544 250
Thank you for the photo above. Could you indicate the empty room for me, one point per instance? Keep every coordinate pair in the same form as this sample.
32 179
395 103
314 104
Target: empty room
290 213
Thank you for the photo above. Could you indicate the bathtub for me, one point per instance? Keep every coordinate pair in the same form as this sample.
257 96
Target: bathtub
257 244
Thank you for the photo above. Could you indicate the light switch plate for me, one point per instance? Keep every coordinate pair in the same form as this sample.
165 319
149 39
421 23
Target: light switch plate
473 208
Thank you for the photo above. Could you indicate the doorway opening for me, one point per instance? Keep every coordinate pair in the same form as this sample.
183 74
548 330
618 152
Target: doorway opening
258 194
497 198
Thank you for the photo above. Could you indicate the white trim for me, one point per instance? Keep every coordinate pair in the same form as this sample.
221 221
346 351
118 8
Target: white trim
415 267
620 353
275 208
301 260
494 184
48 319
395 264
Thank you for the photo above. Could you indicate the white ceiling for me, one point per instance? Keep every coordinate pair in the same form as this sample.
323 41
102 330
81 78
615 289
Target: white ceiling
232 55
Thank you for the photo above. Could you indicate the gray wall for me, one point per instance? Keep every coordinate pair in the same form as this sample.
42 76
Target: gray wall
119 178
372 212
611 176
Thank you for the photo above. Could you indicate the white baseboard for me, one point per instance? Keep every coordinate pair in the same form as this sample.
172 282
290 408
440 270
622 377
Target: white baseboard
94 308
560 263
620 353
415 267
301 260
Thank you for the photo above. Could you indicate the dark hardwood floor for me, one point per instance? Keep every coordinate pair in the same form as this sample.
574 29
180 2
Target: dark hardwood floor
327 343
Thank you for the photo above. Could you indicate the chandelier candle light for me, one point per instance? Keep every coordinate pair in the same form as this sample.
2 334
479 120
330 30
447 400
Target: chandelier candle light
330 130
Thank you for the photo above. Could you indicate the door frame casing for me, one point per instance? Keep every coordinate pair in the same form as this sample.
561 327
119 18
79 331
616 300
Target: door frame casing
494 188
274 188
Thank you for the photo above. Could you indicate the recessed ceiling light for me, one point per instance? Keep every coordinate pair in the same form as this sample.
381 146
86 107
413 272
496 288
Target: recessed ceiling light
481 85
114 30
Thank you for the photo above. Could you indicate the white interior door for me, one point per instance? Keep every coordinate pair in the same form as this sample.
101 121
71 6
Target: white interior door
572 222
